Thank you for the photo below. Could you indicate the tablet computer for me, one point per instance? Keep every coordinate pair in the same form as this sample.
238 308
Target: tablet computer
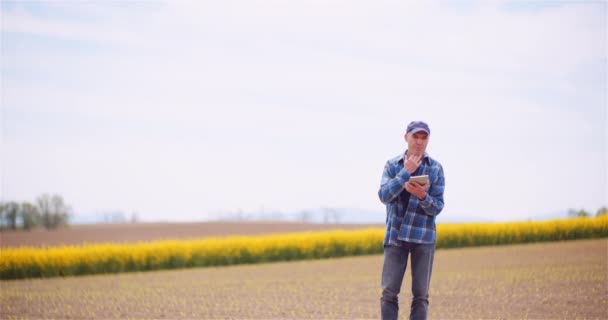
420 179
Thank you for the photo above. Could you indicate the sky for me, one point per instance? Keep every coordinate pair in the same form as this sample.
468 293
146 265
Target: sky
188 110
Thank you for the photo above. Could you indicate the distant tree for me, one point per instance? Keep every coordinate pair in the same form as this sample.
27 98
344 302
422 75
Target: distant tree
601 211
3 223
30 216
11 212
582 213
61 211
573 213
44 208
53 211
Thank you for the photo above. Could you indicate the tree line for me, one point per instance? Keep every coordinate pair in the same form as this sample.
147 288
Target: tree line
49 211
573 213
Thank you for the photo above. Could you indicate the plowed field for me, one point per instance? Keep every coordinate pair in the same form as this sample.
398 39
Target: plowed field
135 232
555 280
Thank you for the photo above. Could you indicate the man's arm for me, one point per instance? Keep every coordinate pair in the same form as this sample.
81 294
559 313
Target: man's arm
392 185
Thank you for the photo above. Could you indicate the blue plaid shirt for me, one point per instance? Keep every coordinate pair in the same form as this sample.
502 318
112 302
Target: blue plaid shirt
408 218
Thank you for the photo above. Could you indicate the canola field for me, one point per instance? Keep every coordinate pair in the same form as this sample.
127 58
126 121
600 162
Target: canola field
30 262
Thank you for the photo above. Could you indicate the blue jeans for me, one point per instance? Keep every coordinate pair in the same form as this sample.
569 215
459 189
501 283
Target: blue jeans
395 262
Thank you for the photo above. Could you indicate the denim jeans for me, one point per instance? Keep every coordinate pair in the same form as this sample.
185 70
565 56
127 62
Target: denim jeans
395 262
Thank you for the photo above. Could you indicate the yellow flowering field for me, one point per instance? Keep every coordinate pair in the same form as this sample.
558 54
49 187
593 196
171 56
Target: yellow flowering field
29 262
478 234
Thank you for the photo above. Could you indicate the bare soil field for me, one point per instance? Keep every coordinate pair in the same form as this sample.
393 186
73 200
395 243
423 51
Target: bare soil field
554 280
134 232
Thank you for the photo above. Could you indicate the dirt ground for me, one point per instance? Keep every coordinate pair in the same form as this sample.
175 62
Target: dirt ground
555 280
135 232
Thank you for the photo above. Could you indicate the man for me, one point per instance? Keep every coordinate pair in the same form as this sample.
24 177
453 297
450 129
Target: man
411 209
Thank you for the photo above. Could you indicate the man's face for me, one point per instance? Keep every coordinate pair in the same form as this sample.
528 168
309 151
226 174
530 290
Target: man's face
416 143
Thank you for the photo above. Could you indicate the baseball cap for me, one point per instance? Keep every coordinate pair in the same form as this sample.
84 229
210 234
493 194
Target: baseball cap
417 126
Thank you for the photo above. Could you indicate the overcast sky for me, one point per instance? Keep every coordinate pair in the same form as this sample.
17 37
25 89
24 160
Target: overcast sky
182 110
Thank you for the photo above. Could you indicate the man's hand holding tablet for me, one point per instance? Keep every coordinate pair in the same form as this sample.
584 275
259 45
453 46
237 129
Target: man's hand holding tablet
417 185
421 180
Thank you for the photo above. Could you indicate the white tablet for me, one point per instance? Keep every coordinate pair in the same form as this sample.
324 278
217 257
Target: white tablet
420 179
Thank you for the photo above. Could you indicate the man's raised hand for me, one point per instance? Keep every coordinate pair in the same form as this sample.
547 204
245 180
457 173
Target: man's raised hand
412 162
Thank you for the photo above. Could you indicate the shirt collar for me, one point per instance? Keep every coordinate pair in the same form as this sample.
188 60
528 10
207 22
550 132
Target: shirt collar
425 158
